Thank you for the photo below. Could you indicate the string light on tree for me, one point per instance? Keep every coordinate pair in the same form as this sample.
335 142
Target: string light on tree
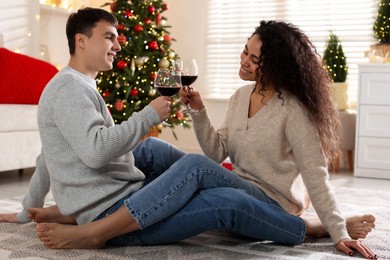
334 58
382 23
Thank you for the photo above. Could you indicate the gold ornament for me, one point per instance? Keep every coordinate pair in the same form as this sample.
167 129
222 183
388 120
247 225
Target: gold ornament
132 67
139 61
171 54
117 85
163 63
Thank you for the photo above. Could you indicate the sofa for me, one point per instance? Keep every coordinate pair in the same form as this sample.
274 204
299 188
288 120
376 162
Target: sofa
22 80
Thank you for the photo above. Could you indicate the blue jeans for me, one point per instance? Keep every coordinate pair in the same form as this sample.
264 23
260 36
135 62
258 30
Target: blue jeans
187 194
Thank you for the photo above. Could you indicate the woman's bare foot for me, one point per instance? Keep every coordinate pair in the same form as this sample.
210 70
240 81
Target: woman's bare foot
50 215
357 226
58 236
360 226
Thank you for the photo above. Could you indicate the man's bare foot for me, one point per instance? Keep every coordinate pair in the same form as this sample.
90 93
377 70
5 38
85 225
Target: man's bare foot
360 226
58 236
50 215
357 226
91 235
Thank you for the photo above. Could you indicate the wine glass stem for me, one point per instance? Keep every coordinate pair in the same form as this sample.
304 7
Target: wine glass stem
188 102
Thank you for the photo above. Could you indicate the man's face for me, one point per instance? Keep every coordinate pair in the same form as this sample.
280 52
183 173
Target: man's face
101 47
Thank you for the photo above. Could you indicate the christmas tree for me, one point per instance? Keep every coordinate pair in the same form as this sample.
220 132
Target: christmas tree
145 43
335 60
382 23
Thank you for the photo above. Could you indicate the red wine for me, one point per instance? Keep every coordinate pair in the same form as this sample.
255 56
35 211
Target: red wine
188 80
167 90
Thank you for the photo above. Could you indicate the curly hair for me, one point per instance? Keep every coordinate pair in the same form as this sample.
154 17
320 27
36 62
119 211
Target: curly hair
289 62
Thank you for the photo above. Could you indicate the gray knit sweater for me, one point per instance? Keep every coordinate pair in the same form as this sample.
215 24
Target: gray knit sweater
86 160
278 150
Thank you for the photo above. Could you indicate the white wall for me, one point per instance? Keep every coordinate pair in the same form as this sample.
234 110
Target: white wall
52 35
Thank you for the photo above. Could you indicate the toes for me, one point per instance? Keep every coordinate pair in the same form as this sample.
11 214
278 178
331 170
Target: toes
369 218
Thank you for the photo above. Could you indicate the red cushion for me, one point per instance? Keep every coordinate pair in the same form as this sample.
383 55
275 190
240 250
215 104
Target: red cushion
22 78
227 165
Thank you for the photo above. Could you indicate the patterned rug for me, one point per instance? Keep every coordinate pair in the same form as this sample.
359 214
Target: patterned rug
18 241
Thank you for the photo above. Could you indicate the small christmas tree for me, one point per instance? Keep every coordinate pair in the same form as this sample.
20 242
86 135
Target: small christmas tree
145 43
335 60
382 23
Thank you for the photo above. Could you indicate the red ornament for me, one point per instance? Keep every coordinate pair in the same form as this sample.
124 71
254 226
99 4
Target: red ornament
129 13
138 28
122 39
153 75
167 39
151 9
121 27
153 45
113 6
134 92
121 64
106 93
147 21
119 105
179 115
164 7
158 19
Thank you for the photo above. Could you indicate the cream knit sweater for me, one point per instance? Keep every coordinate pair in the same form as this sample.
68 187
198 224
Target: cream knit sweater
278 150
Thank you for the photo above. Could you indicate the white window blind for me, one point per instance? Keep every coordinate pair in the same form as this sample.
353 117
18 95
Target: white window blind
231 22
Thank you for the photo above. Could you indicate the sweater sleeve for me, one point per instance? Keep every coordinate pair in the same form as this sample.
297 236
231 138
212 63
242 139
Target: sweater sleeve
313 168
212 142
38 188
83 125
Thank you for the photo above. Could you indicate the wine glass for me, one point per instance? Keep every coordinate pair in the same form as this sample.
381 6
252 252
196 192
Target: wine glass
188 72
167 84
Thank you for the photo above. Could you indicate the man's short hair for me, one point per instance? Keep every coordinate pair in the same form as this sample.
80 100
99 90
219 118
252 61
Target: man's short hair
83 21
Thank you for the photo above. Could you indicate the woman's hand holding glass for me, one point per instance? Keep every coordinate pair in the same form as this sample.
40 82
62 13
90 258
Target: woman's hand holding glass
187 71
191 97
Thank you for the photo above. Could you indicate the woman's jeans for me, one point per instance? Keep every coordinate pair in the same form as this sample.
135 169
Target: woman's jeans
187 194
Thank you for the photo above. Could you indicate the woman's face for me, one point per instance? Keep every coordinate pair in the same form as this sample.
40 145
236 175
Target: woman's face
250 58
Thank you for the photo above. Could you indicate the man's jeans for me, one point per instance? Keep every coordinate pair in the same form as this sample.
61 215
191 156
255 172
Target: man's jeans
187 194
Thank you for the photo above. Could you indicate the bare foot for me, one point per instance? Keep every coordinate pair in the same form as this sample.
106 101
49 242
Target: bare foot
314 228
58 236
357 226
360 226
50 215
90 235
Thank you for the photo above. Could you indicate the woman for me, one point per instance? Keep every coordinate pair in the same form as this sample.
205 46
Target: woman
280 132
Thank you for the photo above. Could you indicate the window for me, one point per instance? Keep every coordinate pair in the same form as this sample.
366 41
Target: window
231 22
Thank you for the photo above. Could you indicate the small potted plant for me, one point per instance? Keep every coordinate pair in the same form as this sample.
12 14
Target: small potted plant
336 65
381 30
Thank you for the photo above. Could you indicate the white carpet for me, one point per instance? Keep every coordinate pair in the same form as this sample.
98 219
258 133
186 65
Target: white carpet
18 241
